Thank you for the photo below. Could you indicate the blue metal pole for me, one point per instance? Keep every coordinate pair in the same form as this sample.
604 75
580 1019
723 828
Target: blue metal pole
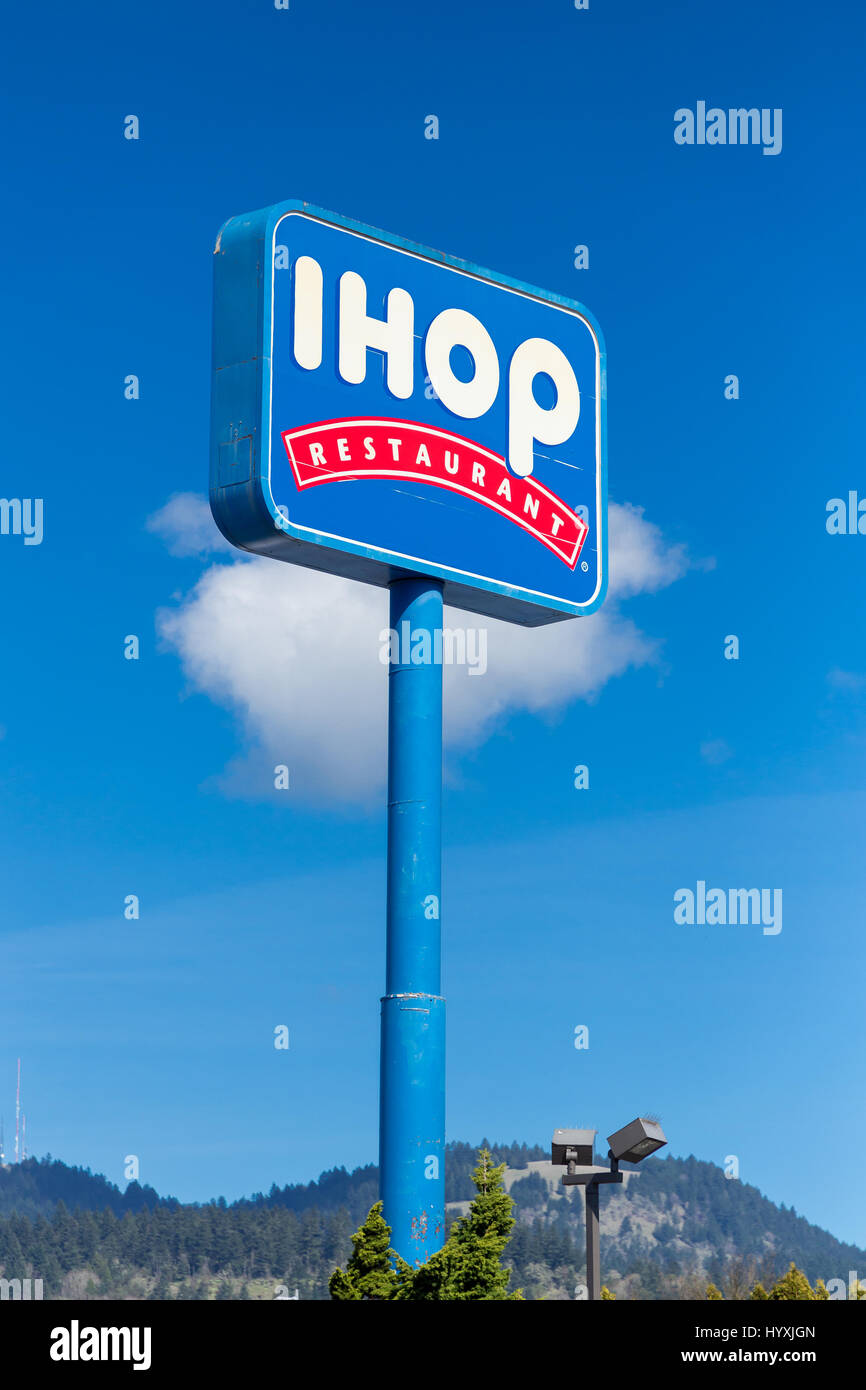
412 1089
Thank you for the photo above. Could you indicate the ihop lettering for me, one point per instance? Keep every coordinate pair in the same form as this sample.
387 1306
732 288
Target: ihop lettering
356 447
528 422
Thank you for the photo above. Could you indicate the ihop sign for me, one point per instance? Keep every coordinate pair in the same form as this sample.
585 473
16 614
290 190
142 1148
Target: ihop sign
380 410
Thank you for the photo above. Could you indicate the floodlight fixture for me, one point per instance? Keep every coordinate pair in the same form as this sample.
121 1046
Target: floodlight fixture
572 1146
637 1140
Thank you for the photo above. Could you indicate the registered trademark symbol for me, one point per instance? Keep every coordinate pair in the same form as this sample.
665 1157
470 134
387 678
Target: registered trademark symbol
584 566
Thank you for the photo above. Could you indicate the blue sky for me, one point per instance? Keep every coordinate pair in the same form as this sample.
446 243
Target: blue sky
556 129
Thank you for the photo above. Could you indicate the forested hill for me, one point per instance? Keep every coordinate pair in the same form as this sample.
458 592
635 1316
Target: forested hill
358 1190
671 1226
33 1188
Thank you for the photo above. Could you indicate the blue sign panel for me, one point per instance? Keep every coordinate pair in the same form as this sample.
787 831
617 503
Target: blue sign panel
382 410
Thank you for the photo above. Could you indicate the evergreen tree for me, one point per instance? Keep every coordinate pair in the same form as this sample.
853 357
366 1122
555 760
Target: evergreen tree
713 1292
793 1285
758 1292
469 1264
369 1273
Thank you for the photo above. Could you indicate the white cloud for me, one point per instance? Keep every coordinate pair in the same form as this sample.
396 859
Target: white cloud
186 526
715 751
846 682
296 654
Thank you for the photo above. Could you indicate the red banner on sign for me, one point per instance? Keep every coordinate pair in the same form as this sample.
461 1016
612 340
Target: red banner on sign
346 450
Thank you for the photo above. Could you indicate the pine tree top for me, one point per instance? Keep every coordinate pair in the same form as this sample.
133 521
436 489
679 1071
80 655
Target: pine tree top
489 1218
369 1273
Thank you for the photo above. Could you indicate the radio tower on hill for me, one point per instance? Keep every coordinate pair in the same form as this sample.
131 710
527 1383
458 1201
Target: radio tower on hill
18 1111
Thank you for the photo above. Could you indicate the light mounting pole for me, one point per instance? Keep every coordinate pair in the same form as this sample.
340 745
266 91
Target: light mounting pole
592 1181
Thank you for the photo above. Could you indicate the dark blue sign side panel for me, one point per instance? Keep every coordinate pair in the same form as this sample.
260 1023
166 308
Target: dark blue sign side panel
313 467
